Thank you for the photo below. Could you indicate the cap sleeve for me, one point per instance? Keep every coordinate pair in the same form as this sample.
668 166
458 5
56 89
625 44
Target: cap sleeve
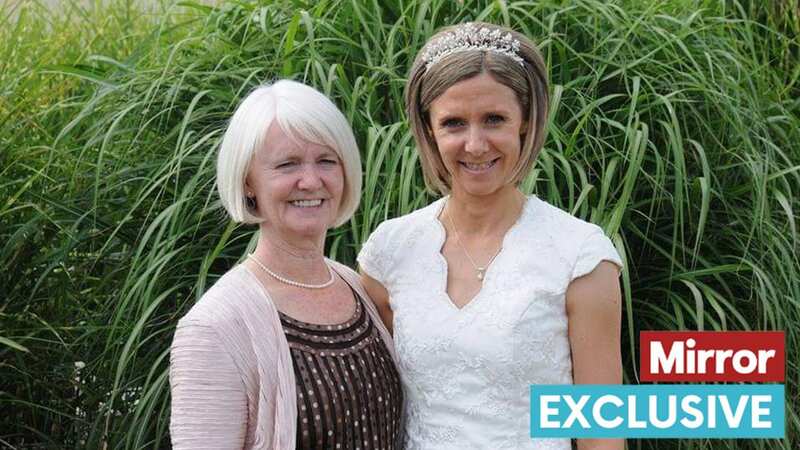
596 247
371 259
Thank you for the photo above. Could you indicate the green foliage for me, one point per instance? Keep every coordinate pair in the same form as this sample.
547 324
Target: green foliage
675 126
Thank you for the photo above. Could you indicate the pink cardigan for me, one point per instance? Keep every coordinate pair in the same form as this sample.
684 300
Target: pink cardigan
231 373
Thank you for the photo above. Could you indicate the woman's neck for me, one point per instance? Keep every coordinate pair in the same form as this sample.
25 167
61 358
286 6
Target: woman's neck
484 215
300 260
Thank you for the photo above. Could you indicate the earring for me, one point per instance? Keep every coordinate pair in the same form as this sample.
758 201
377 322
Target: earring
250 201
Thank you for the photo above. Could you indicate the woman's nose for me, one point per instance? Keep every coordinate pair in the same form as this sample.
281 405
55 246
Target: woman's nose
309 180
476 142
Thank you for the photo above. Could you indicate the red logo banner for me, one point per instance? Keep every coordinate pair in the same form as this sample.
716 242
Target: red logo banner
699 356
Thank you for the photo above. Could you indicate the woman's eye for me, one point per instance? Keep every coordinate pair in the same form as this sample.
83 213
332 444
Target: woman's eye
329 161
285 165
494 119
452 123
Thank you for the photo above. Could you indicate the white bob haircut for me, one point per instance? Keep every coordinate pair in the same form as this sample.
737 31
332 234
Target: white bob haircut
304 114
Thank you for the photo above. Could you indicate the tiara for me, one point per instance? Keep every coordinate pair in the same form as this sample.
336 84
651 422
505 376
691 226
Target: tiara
470 37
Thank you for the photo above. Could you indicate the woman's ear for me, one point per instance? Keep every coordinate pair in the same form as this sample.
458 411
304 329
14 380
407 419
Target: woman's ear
249 196
248 190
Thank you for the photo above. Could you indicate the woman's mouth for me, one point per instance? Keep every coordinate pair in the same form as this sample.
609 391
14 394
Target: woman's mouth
479 167
307 203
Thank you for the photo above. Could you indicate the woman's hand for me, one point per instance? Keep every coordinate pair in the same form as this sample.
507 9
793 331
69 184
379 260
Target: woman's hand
594 310
380 296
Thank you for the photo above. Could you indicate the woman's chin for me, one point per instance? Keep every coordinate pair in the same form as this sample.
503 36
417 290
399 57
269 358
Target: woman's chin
308 227
480 189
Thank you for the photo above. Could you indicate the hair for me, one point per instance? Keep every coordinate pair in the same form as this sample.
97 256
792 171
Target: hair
303 113
425 84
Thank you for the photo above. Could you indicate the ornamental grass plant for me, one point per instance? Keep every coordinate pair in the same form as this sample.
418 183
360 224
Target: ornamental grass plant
675 126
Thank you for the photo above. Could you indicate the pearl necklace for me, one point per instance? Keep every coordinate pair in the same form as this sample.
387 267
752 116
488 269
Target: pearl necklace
480 270
292 282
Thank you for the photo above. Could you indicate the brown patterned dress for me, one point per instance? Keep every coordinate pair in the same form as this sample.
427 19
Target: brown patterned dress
348 389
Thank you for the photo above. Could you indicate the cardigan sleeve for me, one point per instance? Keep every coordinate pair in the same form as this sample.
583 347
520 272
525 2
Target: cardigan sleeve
209 403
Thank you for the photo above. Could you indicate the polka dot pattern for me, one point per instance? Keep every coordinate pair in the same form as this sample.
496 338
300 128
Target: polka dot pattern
348 388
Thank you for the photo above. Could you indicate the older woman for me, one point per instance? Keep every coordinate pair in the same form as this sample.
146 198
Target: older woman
286 350
489 291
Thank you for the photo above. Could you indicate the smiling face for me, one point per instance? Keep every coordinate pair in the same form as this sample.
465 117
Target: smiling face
297 185
477 124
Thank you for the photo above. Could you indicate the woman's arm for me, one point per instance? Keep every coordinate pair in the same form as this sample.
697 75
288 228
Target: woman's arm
594 309
209 404
380 296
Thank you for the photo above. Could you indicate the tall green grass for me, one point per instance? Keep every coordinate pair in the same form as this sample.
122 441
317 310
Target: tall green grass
675 126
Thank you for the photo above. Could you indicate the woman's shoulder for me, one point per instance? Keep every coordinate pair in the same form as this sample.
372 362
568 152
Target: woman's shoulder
410 222
580 244
349 275
231 328
403 230
555 220
229 301
397 241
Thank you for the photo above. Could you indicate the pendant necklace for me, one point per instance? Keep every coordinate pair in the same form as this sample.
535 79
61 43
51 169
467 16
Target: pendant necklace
480 271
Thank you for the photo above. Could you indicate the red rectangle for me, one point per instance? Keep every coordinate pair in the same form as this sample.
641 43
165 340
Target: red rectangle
757 356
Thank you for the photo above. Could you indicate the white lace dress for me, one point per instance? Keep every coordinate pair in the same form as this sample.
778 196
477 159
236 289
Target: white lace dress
467 372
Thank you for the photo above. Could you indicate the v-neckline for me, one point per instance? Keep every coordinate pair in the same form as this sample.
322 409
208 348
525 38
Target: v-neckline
445 265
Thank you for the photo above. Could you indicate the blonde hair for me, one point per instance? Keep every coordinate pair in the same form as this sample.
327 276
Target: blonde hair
427 82
303 113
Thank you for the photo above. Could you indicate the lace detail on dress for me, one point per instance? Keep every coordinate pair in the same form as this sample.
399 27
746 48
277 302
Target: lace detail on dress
467 372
